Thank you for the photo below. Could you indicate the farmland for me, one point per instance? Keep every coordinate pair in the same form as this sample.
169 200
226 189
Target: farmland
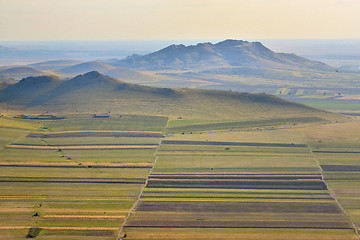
202 189
55 183
81 177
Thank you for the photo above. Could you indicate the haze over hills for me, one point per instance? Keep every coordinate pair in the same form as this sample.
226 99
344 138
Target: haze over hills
55 64
72 68
97 93
20 72
226 53
125 74
228 65
85 67
229 57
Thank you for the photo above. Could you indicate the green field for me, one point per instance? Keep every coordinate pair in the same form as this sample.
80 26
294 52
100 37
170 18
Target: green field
257 180
197 190
73 194
341 165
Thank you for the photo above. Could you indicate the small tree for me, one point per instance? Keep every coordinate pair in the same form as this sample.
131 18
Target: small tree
33 232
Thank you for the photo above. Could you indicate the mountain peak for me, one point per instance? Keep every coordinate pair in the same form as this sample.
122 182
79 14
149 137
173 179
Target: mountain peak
40 80
93 74
228 53
172 48
230 43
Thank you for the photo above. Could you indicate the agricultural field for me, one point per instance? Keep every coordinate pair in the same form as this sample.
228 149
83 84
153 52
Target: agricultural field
147 177
58 182
341 164
203 187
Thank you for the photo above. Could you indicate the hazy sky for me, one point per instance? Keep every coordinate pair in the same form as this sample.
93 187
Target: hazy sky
177 19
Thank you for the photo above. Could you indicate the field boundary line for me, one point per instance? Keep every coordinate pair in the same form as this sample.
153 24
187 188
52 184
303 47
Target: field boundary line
132 209
332 194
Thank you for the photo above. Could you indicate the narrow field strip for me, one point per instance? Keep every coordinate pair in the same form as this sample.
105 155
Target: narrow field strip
71 210
67 134
244 124
82 217
204 178
69 181
75 165
96 131
82 147
58 228
341 168
336 151
248 144
242 224
234 198
237 200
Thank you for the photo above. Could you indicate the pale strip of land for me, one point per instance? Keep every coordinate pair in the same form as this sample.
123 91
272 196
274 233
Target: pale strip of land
83 217
83 147
73 164
58 228
98 131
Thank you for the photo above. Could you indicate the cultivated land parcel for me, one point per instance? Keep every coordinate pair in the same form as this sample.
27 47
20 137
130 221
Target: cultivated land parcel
153 177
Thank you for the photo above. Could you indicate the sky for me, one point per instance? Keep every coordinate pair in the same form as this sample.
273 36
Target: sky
48 20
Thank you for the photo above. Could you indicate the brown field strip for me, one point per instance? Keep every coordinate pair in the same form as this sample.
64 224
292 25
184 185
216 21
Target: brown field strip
247 144
234 177
82 147
242 207
238 184
340 168
236 234
240 224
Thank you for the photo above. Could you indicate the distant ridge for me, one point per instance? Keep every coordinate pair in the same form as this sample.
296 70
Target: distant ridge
85 67
20 72
96 93
54 64
72 68
223 54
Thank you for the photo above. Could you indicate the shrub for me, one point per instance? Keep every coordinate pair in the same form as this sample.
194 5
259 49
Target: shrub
33 232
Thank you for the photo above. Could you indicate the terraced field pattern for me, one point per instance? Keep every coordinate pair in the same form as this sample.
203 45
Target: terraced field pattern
147 177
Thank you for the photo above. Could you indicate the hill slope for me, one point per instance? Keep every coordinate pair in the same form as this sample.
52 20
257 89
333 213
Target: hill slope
125 74
225 53
85 67
21 72
97 93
